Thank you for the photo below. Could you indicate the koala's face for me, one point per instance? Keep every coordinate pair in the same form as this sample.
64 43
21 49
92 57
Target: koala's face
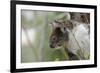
57 38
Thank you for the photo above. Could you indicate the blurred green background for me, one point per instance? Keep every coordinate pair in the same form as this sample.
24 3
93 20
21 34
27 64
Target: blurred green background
36 30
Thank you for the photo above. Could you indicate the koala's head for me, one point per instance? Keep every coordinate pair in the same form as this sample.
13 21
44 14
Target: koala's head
58 36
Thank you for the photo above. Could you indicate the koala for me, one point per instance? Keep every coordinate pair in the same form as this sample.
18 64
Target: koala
62 36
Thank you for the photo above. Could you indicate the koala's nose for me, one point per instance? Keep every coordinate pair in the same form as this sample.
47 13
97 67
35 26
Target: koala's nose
51 46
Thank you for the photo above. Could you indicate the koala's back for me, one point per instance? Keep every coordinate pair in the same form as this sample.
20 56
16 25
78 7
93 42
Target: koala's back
79 40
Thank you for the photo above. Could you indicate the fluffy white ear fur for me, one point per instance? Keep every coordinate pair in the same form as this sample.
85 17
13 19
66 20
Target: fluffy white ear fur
55 25
68 15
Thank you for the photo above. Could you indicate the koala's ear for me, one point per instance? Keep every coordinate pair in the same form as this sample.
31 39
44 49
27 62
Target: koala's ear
55 24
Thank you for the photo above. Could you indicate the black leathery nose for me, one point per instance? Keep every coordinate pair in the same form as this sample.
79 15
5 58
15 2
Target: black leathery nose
51 46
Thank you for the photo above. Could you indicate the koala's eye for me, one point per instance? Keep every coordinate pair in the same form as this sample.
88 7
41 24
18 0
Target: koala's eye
64 28
53 38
